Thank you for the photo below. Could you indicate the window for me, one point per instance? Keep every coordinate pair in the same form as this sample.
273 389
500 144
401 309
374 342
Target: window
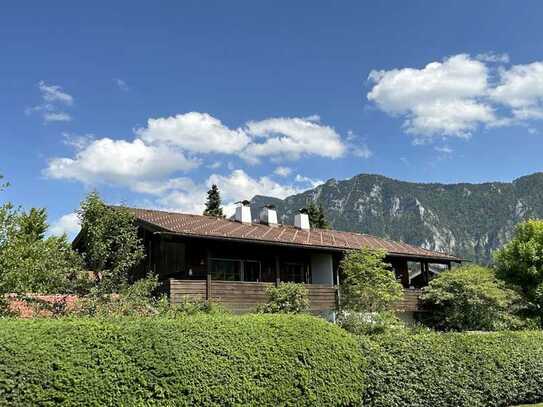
251 270
235 270
225 270
293 272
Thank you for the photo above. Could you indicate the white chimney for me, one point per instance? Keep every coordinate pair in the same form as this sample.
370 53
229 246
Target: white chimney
301 220
268 215
243 212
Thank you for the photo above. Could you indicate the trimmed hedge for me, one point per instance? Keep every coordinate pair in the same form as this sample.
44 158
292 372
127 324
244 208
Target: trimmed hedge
260 360
198 360
454 369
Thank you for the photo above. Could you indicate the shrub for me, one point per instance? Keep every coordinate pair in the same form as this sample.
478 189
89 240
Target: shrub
286 298
201 360
454 369
469 298
370 323
369 284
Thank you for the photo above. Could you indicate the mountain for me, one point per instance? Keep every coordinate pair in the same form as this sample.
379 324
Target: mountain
469 220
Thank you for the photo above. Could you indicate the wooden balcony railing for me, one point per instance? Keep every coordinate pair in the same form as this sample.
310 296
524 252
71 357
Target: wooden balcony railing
241 296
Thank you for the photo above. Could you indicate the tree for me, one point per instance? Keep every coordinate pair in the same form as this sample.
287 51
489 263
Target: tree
110 245
317 218
368 285
520 262
33 224
213 203
469 298
31 263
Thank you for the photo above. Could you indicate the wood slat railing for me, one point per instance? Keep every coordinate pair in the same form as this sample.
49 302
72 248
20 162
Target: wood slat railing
240 296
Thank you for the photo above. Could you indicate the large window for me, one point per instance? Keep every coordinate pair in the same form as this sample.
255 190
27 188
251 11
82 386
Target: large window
225 270
235 270
293 272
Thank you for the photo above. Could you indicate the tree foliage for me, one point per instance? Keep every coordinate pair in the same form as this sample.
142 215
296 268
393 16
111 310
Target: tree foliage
317 218
31 262
520 262
213 203
368 285
470 298
110 245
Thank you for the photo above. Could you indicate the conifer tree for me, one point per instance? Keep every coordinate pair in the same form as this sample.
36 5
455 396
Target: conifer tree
317 219
213 203
322 222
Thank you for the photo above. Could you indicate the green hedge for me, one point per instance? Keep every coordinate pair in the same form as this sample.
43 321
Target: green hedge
456 369
199 360
261 360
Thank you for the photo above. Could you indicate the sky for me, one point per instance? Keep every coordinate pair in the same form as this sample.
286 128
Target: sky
149 103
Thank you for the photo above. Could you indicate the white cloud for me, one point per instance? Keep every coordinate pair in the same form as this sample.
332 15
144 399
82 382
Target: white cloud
444 149
311 182
122 85
289 138
362 151
119 162
54 93
521 89
56 117
443 98
54 99
195 132
493 57
184 195
67 224
282 171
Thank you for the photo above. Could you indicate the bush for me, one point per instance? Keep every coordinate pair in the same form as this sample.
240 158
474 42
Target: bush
286 298
470 298
454 369
369 284
370 323
200 360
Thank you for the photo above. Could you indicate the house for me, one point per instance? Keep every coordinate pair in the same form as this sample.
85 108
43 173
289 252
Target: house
233 261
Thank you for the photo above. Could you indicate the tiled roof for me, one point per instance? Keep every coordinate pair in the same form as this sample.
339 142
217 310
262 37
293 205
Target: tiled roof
210 227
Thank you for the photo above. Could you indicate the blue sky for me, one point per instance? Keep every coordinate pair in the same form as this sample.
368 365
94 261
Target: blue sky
151 102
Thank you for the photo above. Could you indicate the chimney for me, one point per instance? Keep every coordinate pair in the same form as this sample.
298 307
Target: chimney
243 212
301 220
268 215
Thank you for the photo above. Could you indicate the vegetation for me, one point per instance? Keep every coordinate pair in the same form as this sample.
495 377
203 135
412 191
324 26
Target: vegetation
368 283
370 323
317 218
520 263
213 203
470 298
454 369
110 245
31 262
260 360
286 298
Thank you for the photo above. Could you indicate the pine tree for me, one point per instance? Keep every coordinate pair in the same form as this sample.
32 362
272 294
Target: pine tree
317 219
322 222
213 203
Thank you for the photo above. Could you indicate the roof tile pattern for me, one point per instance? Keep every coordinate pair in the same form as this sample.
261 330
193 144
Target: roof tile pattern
205 226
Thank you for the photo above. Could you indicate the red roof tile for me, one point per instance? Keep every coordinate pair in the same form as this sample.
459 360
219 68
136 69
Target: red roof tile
206 226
